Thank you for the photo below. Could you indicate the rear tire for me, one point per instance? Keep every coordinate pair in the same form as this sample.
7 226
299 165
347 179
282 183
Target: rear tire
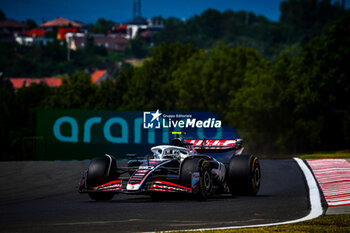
205 184
100 171
244 175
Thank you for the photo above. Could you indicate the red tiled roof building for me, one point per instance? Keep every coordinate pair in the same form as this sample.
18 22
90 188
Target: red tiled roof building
35 32
61 22
116 43
10 25
98 76
25 82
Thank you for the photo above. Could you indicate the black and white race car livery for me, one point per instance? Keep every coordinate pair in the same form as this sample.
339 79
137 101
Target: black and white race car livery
196 167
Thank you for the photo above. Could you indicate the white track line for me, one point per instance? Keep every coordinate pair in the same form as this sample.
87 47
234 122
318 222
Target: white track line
315 203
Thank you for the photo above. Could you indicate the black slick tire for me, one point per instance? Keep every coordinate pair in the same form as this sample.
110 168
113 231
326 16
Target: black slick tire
244 175
99 172
205 183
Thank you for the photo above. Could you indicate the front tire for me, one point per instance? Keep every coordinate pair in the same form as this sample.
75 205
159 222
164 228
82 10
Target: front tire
100 171
201 166
244 175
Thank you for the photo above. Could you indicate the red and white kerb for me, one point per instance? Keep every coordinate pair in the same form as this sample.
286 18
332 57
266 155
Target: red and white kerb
333 176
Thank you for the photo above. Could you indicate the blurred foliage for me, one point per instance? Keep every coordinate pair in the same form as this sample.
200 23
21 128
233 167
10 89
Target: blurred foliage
138 48
304 19
31 24
2 15
102 26
151 85
51 60
300 20
77 91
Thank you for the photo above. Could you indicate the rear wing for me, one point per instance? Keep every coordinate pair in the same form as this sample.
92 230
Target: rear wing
215 144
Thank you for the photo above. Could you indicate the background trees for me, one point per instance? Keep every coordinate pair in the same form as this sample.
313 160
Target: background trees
300 20
102 26
151 86
323 84
304 19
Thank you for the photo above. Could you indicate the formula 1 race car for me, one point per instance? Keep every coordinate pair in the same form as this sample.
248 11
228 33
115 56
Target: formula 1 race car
197 167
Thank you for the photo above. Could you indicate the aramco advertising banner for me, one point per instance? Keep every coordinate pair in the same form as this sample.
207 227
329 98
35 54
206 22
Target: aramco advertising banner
84 134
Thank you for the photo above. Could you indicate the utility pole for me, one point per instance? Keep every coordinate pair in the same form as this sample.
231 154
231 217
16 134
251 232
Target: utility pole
137 9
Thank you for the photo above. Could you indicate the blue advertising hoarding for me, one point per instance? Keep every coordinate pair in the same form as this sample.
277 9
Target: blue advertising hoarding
84 134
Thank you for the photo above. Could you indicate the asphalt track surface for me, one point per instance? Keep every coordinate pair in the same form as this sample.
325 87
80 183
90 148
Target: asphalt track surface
43 197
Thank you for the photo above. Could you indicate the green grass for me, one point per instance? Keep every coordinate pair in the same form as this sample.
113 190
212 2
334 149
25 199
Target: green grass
338 154
331 223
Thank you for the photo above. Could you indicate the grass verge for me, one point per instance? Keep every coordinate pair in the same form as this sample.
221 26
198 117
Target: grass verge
330 223
335 155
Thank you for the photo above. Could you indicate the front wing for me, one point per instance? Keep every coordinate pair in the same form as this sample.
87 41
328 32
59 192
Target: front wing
120 186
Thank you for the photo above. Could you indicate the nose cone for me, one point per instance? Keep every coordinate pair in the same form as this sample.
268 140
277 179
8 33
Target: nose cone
136 180
133 187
